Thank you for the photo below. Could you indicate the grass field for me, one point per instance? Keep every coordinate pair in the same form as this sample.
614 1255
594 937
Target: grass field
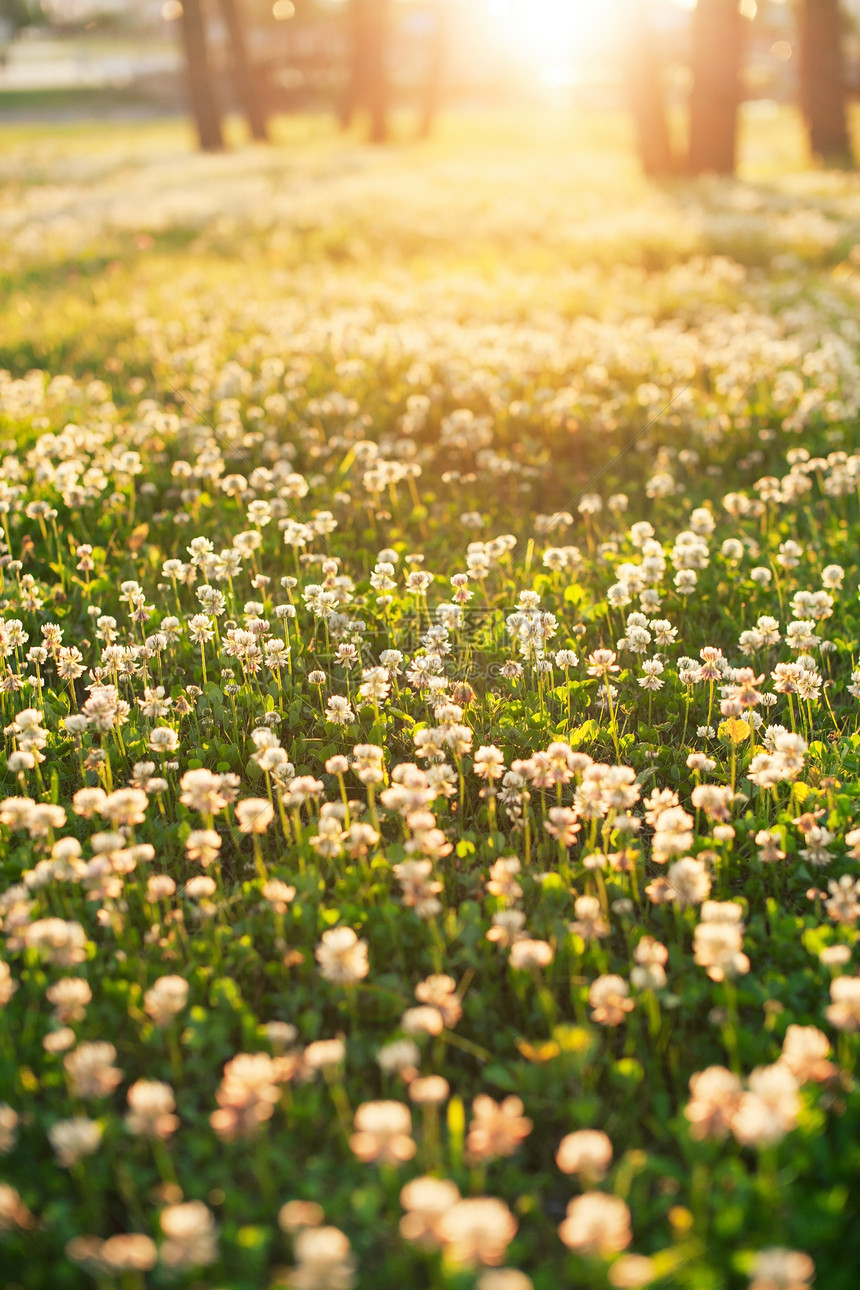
430 804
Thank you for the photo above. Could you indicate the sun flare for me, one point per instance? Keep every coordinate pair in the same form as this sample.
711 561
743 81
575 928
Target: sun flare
547 30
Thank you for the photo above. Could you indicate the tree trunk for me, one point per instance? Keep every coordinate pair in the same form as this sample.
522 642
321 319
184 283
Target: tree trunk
368 82
204 105
822 80
247 88
436 67
353 92
645 90
376 60
716 87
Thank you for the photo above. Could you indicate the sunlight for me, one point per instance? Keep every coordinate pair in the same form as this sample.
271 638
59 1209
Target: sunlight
547 30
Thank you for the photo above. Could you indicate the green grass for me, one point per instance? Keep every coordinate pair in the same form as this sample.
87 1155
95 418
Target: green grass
503 337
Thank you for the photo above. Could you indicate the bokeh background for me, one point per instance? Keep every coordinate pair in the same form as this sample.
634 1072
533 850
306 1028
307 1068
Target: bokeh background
682 81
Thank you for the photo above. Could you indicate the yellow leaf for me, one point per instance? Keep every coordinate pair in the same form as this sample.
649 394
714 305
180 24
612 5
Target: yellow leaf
734 731
542 1053
137 537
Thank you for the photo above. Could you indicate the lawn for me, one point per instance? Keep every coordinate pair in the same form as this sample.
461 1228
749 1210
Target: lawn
430 809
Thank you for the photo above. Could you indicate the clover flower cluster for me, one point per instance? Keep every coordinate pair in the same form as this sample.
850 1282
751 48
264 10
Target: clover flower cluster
374 815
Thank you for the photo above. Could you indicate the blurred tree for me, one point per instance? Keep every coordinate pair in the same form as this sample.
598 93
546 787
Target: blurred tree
15 15
204 104
370 30
714 99
644 81
247 87
822 80
438 41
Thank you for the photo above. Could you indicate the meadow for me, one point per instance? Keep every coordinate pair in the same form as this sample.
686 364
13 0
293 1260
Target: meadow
429 802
